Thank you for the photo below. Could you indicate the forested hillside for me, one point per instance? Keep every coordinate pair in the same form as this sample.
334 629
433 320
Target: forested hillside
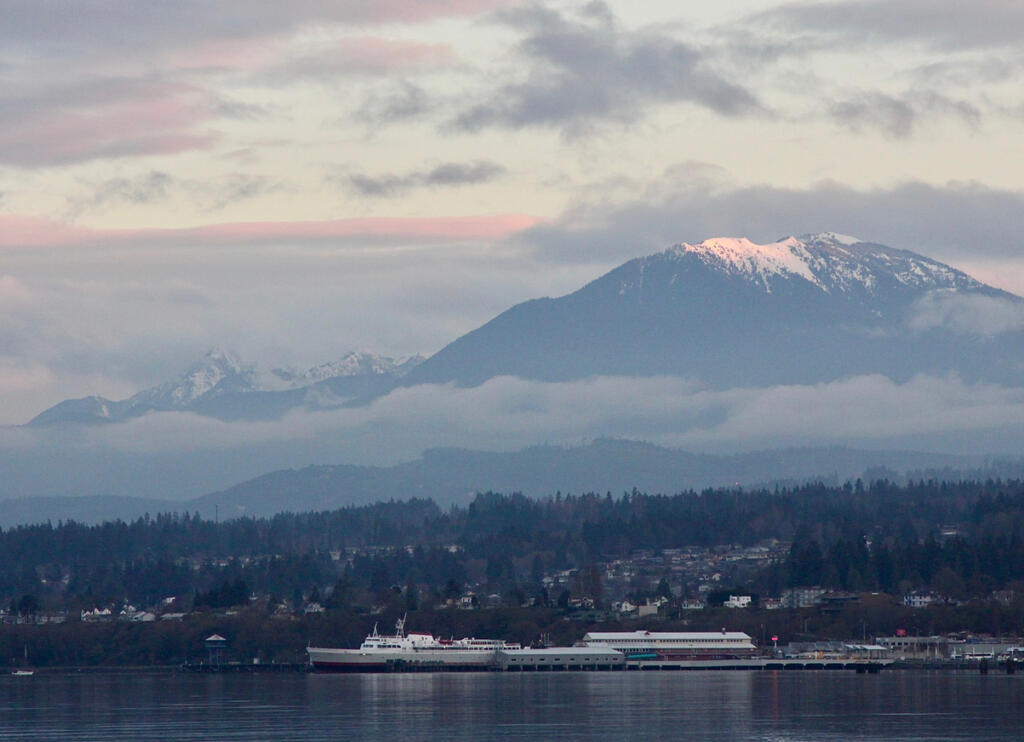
967 538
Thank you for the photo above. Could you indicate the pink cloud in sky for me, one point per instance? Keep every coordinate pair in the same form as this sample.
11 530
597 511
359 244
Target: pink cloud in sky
233 54
20 231
109 120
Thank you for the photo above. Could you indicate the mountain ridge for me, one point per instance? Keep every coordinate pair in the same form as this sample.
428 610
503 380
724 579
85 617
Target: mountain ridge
725 312
220 385
455 475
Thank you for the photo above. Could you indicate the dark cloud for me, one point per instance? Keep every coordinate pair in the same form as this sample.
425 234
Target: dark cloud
143 189
156 186
892 116
443 175
221 192
405 101
459 173
968 73
55 27
588 69
955 222
945 24
897 117
242 111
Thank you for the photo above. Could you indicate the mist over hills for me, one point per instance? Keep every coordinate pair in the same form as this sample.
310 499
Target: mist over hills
454 476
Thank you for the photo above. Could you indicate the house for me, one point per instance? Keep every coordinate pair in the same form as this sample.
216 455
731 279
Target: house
802 597
921 599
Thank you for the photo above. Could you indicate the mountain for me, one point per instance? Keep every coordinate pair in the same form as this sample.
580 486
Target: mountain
726 313
220 385
218 373
729 312
356 363
454 475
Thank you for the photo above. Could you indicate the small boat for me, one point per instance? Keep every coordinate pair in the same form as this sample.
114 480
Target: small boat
23 673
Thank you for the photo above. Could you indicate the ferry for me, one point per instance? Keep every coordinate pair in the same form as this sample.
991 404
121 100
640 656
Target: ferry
409 652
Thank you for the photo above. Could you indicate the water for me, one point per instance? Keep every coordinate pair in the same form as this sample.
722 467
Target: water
794 705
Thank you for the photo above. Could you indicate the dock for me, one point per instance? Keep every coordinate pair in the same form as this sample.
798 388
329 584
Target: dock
648 659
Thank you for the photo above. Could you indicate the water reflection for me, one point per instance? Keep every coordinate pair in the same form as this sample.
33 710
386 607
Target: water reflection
569 706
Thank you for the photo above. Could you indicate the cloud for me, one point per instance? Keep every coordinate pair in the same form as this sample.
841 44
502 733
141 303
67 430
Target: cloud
69 100
154 186
103 118
447 174
969 315
402 102
146 188
12 290
328 61
217 193
122 26
942 24
507 413
584 70
18 376
877 110
19 231
896 117
958 222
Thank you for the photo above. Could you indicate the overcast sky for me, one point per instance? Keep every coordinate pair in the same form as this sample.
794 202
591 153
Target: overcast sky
297 180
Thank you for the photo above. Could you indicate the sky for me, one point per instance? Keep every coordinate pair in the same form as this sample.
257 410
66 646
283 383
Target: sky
297 180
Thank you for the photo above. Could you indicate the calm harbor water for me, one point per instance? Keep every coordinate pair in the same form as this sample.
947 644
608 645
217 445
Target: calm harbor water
801 705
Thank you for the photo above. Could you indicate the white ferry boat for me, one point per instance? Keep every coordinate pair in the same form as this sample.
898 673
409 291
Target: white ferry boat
409 652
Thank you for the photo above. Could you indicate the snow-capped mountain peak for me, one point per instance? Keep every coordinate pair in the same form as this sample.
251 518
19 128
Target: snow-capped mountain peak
740 256
830 261
219 368
355 363
833 238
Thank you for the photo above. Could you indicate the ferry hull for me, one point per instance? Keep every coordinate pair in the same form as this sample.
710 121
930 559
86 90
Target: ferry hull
352 660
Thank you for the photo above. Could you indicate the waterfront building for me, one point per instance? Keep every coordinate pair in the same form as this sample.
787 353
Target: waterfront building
672 645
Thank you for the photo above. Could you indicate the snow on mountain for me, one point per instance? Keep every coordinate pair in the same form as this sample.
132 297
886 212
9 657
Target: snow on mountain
750 260
219 371
830 261
356 363
220 385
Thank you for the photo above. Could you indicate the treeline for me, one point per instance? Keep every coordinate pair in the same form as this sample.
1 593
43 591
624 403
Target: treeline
981 552
875 536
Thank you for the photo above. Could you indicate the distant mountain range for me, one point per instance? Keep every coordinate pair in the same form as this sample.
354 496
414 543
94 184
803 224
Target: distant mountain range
222 386
725 313
455 475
